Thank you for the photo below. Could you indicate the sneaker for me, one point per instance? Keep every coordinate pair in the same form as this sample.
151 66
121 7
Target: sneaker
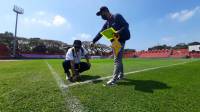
71 79
110 83
67 78
78 78
120 77
68 75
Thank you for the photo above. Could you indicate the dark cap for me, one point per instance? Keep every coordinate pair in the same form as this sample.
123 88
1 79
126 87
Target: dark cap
103 8
77 43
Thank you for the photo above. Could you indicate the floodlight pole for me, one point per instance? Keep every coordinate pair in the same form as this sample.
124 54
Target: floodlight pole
18 11
14 43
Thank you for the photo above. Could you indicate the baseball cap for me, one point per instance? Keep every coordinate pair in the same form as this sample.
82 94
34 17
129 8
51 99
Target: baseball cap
103 8
77 43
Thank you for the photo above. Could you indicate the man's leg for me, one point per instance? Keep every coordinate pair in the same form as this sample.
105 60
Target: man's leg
121 71
118 66
67 66
83 66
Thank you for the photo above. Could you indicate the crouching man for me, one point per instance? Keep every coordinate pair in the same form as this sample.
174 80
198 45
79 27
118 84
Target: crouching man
73 61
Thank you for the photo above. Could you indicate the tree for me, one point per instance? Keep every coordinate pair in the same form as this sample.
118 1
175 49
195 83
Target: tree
194 43
181 46
160 47
8 34
129 50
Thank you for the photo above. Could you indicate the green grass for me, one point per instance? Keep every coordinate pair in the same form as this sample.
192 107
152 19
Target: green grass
30 86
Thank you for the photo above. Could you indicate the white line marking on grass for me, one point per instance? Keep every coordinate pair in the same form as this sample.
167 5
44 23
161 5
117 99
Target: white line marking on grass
104 78
148 69
59 81
72 102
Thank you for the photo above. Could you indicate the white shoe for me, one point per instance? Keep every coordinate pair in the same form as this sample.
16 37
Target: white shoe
120 77
67 78
110 83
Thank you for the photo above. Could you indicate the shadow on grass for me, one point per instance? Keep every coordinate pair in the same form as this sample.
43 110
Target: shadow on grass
144 85
89 77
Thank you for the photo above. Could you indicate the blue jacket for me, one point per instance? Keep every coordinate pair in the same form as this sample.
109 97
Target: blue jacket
119 24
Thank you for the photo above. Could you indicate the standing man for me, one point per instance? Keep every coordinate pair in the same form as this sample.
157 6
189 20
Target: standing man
73 61
122 27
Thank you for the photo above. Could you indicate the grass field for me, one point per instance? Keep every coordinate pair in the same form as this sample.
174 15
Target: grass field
40 85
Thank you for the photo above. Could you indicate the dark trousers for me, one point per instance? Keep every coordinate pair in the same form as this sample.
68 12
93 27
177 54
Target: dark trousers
82 66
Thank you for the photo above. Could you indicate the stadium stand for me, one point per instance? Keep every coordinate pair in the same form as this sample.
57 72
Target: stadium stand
154 54
165 53
195 54
129 54
180 53
4 52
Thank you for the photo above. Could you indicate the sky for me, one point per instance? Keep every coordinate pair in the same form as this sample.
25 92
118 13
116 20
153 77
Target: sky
151 22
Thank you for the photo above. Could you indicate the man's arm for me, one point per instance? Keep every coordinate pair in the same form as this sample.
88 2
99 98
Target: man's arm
122 22
87 58
98 36
72 67
85 53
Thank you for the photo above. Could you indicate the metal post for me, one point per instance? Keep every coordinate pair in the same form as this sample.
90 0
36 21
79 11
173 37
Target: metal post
18 11
15 38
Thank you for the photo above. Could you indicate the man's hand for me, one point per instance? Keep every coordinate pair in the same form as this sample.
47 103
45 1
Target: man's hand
89 64
111 40
92 44
75 72
116 34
